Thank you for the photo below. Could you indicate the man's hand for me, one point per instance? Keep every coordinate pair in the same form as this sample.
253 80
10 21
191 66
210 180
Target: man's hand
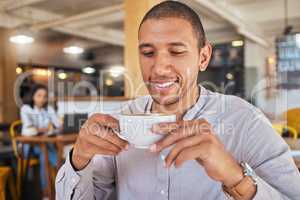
97 137
195 140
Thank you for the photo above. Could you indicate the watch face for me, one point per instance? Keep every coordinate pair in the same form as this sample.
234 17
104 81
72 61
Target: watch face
248 171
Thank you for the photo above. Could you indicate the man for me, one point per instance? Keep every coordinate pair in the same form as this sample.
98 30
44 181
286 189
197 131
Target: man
220 145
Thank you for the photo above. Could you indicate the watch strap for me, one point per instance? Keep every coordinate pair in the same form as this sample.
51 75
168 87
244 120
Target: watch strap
245 188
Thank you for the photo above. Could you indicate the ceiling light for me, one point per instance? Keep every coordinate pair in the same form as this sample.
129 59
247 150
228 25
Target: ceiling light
88 70
62 75
21 39
109 82
19 70
237 43
229 76
41 72
73 50
116 71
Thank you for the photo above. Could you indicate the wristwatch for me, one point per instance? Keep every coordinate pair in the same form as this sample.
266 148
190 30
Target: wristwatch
246 187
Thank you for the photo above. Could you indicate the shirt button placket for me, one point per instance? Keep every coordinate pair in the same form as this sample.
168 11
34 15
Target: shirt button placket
163 176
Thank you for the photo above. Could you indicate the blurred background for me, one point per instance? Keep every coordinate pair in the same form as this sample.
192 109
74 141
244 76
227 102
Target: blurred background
85 52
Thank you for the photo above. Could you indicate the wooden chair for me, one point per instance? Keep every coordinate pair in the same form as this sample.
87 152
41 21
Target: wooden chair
6 178
22 163
293 118
280 128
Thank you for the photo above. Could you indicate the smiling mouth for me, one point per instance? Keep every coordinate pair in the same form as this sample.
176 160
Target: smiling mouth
163 84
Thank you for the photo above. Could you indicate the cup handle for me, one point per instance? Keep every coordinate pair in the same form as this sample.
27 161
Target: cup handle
119 135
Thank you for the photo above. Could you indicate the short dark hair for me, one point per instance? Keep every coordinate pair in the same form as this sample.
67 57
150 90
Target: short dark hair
176 9
29 100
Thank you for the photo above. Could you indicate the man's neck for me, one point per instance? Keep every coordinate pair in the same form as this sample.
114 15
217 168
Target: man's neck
179 108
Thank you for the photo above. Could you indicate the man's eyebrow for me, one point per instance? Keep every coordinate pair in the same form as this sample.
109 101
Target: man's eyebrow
177 44
145 45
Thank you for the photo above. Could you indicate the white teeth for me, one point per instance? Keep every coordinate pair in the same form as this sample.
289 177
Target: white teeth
163 85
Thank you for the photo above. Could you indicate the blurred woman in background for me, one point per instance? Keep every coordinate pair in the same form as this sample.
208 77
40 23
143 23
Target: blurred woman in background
39 118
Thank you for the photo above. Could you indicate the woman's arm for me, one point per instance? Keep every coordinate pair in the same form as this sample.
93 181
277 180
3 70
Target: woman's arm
28 128
54 118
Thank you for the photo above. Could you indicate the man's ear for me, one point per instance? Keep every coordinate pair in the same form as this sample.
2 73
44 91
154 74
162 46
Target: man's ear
205 55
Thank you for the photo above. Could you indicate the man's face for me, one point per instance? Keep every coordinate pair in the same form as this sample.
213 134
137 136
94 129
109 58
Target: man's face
169 58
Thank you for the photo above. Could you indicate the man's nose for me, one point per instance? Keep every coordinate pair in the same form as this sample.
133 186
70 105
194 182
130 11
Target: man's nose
162 65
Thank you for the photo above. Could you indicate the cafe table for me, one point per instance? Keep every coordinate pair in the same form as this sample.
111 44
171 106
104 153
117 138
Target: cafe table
60 142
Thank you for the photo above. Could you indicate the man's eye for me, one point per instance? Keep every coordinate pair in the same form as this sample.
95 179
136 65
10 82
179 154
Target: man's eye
148 53
177 52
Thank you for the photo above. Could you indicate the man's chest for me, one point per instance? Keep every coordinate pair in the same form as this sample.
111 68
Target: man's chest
142 175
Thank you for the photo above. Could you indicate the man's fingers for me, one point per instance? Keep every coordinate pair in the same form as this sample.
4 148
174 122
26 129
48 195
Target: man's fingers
167 141
183 132
95 149
201 125
103 120
191 153
166 127
116 140
103 144
88 144
186 129
107 134
180 146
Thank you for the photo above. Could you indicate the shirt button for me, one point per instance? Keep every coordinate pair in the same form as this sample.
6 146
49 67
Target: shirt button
73 180
162 192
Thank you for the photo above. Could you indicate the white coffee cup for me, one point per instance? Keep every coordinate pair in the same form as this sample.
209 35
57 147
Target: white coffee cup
136 128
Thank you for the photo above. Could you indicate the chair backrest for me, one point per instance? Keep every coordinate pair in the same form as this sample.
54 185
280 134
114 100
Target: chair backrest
281 128
14 130
293 118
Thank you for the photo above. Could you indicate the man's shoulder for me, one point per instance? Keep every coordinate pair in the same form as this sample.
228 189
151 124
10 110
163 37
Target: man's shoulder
237 103
231 104
243 111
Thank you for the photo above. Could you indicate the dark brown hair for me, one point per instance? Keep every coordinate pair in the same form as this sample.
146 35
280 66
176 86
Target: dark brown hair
34 89
176 9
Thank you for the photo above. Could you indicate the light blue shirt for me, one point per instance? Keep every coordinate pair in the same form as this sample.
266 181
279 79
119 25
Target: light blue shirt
38 118
140 175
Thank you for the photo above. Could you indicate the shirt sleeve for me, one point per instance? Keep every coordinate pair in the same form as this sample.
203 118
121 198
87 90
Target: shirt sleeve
27 123
88 184
268 154
54 117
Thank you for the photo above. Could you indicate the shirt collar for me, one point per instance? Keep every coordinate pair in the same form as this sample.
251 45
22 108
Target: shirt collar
197 108
37 109
194 110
